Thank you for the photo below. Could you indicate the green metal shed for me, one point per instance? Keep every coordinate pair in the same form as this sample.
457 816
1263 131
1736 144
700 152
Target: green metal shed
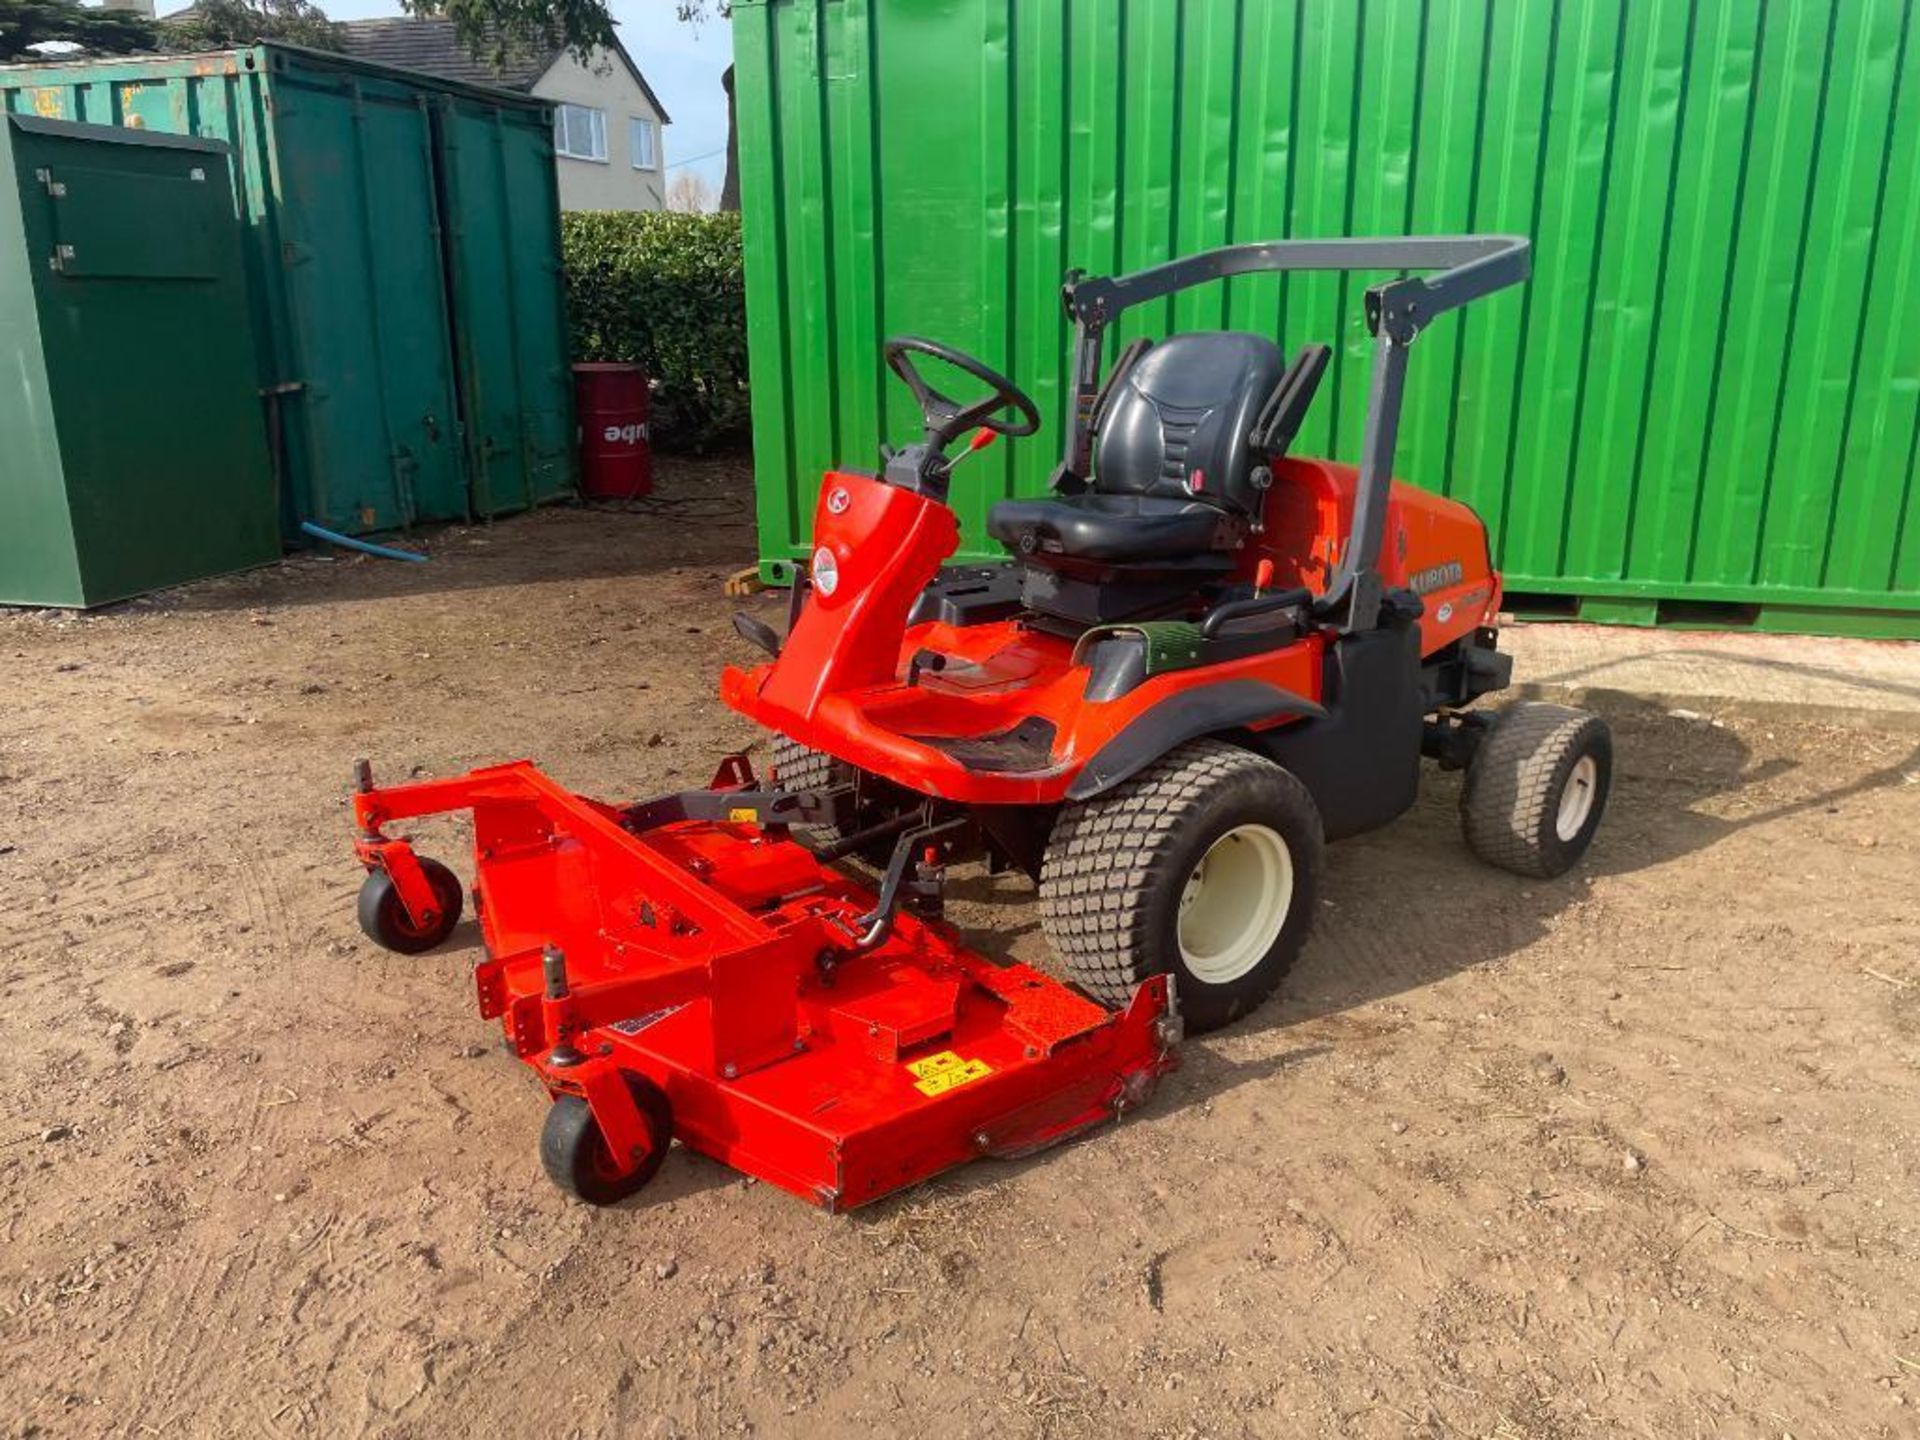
133 450
400 231
1704 409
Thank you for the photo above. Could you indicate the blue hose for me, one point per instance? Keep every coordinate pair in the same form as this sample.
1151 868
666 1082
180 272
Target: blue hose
365 547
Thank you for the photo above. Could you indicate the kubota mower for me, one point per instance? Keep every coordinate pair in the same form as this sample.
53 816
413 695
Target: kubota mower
1204 658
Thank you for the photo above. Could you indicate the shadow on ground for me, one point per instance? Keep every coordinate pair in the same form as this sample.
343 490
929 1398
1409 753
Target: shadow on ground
702 515
1590 677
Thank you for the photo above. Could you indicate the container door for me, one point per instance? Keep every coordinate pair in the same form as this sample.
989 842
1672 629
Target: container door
148 364
503 248
220 97
368 299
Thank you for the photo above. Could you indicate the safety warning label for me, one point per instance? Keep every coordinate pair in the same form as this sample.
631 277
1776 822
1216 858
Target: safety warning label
937 1074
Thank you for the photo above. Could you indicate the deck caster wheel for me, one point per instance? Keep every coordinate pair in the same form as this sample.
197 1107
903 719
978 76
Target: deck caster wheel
386 921
575 1155
1536 789
1204 866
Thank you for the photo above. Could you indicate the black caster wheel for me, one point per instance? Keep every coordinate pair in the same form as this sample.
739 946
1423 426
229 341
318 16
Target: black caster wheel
575 1154
386 921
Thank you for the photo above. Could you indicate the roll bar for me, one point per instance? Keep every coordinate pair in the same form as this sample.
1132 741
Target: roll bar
1469 267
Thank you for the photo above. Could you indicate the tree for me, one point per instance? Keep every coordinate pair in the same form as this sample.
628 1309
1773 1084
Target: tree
730 188
690 193
25 24
494 30
216 24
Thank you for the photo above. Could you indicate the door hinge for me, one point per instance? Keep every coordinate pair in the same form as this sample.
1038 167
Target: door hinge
62 257
56 188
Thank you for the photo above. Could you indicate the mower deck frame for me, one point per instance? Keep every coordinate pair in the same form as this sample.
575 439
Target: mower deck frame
723 962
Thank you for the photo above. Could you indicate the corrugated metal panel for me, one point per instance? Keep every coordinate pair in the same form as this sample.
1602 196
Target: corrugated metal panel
370 340
511 340
1707 394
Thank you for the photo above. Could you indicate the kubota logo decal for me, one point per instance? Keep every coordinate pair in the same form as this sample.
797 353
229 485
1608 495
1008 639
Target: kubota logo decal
838 500
1436 577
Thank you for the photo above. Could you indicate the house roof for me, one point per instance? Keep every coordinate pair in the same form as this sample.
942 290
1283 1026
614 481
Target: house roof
433 47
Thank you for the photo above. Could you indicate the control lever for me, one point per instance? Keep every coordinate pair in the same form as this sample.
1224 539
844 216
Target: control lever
982 438
870 930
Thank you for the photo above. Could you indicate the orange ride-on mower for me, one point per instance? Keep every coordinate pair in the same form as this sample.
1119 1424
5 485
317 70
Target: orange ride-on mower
1205 658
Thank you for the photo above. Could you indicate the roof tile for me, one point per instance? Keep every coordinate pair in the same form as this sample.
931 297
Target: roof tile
433 47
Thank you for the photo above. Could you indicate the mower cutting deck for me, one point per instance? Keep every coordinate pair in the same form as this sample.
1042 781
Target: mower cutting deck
682 968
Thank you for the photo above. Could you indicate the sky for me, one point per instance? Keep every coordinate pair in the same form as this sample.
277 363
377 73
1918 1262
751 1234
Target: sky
681 62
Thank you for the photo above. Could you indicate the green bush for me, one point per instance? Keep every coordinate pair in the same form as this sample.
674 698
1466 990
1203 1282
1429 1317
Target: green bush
665 290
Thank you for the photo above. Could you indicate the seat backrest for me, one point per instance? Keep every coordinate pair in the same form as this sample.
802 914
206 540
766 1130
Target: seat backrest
1177 423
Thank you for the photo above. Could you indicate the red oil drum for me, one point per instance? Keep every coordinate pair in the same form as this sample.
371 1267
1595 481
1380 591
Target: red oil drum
616 459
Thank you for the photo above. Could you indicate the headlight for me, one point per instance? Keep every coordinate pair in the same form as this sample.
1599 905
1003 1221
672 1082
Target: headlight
826 571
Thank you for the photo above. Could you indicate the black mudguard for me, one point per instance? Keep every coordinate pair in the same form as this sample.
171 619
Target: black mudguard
1361 761
1203 710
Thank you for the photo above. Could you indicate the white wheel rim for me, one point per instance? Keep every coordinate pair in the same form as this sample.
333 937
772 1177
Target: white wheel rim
1576 800
1234 904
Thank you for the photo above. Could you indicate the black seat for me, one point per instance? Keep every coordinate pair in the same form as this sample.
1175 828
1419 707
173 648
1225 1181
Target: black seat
1174 467
1109 529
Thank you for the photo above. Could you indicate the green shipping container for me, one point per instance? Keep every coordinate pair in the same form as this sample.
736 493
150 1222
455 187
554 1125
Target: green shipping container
1704 409
397 226
132 451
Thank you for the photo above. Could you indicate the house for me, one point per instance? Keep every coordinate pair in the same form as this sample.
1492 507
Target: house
608 126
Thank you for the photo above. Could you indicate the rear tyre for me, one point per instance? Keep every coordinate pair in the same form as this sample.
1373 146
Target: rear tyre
385 919
576 1157
1536 789
1204 866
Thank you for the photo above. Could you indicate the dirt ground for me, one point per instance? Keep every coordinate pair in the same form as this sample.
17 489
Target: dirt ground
1633 1152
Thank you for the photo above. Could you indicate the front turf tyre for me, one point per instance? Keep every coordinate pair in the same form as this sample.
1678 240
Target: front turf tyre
385 919
794 767
574 1152
1536 789
1205 866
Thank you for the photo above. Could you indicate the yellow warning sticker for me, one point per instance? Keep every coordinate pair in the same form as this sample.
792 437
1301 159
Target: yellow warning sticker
937 1074
743 815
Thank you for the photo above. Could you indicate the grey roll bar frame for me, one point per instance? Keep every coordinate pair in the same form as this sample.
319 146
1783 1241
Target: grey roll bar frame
1397 310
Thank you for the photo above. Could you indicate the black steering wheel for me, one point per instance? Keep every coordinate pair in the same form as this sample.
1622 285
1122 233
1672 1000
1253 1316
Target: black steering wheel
945 417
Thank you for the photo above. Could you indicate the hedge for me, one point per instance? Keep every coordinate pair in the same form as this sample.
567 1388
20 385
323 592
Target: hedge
666 290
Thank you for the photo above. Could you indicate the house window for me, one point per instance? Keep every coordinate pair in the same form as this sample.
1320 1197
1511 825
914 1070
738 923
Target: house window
642 144
579 132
